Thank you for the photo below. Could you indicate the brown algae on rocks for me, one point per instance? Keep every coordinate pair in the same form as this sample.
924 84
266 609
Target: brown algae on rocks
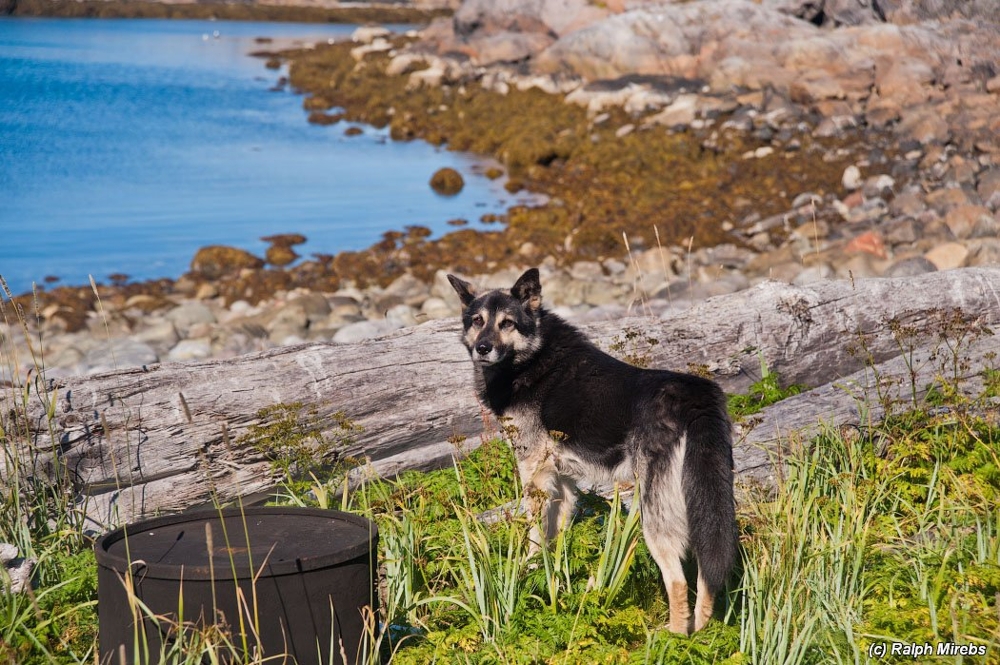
602 183
447 181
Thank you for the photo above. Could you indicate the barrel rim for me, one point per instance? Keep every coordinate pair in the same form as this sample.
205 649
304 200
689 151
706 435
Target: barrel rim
203 572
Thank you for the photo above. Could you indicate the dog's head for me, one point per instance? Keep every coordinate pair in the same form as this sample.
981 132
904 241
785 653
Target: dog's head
501 326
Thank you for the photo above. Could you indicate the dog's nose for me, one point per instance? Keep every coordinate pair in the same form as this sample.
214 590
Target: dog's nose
483 348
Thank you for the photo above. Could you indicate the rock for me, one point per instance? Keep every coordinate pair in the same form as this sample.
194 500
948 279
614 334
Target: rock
681 112
401 315
859 266
870 242
315 306
343 307
814 273
16 576
852 178
183 317
924 124
8 553
901 231
190 349
447 181
985 252
910 267
437 308
408 289
118 354
681 39
601 293
280 255
656 266
904 80
988 188
964 219
378 45
289 319
948 256
366 34
586 270
206 291
878 186
987 227
216 261
524 16
907 203
160 335
943 200
285 239
815 87
362 330
508 47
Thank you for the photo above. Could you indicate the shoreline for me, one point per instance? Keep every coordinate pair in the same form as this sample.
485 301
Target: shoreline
806 199
360 14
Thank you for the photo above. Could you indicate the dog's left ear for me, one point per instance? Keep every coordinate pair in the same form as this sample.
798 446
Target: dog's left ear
466 292
528 289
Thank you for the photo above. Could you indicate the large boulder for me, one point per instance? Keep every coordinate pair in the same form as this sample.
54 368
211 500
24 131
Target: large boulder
681 40
215 261
556 17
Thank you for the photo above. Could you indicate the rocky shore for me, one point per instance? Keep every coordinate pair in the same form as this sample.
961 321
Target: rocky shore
689 150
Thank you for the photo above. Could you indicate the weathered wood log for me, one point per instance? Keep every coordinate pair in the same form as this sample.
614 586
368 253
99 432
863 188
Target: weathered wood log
864 398
165 437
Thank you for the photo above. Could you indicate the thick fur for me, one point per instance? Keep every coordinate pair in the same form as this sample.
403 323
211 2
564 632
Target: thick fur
578 414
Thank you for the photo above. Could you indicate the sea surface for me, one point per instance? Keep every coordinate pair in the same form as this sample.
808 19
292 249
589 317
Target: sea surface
125 145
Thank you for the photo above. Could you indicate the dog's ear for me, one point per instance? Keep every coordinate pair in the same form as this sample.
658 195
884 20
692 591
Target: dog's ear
528 289
466 292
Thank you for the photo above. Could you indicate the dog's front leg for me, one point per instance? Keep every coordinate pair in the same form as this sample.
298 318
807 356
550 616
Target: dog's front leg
549 496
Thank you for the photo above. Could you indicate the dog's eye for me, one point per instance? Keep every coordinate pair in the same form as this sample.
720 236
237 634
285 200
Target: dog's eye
477 320
506 324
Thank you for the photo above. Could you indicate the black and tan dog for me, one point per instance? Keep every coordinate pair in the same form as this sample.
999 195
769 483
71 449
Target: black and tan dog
668 431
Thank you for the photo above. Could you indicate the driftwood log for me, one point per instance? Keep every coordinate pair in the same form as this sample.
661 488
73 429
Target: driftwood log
166 437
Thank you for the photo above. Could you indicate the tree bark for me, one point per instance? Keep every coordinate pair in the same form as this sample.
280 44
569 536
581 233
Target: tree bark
167 437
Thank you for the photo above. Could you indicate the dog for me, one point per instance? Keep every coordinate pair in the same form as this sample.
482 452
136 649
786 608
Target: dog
580 414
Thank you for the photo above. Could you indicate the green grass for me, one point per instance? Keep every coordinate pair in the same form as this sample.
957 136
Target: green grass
887 533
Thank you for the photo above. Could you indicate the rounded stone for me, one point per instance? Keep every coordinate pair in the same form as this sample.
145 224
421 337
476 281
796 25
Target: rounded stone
447 181
190 349
852 178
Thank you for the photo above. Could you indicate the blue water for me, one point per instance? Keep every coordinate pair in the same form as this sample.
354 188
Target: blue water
125 145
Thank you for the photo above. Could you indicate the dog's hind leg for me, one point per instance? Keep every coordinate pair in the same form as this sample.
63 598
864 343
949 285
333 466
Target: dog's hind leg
668 558
704 605
708 484
665 528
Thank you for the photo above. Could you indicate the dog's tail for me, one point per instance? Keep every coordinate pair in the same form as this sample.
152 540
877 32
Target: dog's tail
708 493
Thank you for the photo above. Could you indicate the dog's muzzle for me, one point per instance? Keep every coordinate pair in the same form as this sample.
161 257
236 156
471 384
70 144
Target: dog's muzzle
485 353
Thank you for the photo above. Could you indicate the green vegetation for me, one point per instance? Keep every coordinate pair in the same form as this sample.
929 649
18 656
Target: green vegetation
763 392
889 532
291 437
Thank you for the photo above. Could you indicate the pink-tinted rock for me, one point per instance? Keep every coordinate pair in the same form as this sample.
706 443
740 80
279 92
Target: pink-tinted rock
869 242
948 256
